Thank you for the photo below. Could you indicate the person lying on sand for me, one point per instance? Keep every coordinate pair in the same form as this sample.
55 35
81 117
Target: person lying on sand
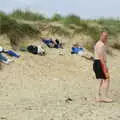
3 58
101 70
9 52
36 50
77 49
52 43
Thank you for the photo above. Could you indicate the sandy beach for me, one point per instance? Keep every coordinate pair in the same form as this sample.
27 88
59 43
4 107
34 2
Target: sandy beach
55 87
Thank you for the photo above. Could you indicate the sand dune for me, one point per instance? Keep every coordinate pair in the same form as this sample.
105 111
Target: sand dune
56 88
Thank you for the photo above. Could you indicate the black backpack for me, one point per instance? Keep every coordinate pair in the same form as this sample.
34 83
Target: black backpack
32 49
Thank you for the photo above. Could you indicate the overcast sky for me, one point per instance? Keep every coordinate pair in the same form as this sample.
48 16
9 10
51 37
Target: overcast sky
83 8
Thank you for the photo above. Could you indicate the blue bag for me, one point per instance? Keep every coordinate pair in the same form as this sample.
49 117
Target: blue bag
11 53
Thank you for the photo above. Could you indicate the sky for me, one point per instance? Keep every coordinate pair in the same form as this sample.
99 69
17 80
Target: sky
84 8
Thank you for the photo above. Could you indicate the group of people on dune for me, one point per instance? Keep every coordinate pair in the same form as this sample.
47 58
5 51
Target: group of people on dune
100 67
51 43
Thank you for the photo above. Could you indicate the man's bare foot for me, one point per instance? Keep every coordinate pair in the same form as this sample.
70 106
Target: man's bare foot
107 100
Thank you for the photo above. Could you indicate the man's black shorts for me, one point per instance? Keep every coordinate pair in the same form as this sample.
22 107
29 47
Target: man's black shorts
98 69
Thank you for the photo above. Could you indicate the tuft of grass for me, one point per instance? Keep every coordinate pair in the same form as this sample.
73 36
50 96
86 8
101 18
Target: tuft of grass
15 31
2 13
71 19
112 26
91 31
26 15
56 17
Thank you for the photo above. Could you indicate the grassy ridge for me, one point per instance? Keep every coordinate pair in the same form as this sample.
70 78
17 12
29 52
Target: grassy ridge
70 25
26 15
14 30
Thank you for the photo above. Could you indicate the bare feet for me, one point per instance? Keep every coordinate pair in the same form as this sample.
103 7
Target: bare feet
106 100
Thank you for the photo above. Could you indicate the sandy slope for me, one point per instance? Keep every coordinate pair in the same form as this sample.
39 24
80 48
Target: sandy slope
36 88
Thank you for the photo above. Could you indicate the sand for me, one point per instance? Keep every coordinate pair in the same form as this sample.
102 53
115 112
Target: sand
56 87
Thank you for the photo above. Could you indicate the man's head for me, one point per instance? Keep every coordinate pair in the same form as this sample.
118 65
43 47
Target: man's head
104 37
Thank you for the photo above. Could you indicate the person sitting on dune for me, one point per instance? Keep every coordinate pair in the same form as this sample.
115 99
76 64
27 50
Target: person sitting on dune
52 43
77 49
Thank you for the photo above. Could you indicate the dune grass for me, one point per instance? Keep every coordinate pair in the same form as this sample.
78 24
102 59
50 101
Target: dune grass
57 17
112 26
26 15
71 19
17 30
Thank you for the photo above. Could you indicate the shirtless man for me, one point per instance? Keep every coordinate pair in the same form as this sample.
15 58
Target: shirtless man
101 70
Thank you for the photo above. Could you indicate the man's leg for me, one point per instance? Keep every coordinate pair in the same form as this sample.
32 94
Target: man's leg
105 87
99 88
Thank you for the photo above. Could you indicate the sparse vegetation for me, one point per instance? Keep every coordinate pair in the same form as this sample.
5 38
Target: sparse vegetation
15 31
59 31
110 25
71 19
57 17
70 25
26 15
